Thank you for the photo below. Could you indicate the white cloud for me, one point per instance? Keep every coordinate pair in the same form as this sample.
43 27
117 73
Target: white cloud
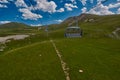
20 3
3 6
60 10
59 21
91 1
100 10
69 7
43 5
100 0
4 22
27 14
84 10
36 25
73 1
114 5
83 2
3 1
26 11
46 6
118 11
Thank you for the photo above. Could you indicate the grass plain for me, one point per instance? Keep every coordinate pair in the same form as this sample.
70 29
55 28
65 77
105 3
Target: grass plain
34 58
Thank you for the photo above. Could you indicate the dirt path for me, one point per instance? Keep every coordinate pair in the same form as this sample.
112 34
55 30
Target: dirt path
63 63
34 44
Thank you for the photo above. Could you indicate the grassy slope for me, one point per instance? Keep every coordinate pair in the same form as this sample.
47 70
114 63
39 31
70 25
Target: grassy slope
103 25
15 28
98 58
27 64
97 55
100 27
13 25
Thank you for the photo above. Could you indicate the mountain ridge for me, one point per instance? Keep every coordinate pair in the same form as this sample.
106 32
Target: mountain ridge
14 25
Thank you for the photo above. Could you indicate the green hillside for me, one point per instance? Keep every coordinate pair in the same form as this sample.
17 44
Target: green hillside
15 28
94 25
94 56
13 25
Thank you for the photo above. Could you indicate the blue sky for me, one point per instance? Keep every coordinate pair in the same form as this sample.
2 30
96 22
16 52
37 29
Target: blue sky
42 12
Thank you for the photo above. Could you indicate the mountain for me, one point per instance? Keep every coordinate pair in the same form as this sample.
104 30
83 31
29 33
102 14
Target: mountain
15 28
95 25
13 25
90 18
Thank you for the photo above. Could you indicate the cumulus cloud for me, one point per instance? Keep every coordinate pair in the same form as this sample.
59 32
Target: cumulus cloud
118 11
43 5
27 14
91 1
84 10
83 2
100 10
36 25
73 1
4 22
20 3
114 5
26 11
100 0
70 7
3 6
46 6
3 1
59 21
60 10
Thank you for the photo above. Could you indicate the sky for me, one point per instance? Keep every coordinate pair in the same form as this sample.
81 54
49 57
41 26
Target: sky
44 12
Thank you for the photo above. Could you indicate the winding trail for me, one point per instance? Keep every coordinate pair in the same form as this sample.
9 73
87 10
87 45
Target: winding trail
34 44
63 63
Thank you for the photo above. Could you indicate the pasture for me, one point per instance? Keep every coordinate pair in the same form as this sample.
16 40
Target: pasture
95 56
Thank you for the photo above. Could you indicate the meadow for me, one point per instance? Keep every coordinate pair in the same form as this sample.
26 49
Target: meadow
34 58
